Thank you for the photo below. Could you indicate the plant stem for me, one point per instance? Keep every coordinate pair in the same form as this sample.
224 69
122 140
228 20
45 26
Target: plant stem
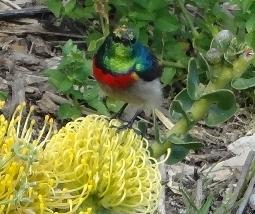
200 107
102 25
100 7
173 64
188 19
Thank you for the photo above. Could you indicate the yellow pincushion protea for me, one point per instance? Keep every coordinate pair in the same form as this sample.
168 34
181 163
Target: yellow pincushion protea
18 152
95 167
86 167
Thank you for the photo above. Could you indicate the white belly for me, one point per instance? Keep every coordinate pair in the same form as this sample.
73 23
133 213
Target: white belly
148 94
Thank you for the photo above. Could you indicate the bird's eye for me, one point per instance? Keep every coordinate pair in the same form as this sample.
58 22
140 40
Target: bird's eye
124 40
133 41
116 39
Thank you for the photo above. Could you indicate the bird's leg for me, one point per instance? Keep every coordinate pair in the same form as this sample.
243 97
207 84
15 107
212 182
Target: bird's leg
104 98
129 124
120 112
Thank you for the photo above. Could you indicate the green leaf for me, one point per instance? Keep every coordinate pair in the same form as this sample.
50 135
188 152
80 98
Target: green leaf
178 153
142 3
180 105
59 80
93 36
114 105
83 12
250 39
178 108
166 24
99 106
152 5
68 47
69 6
68 111
246 4
90 93
197 68
243 83
194 88
180 148
80 73
168 75
142 126
94 44
55 6
3 95
146 16
203 66
222 106
184 142
206 206
120 3
175 51
250 24
75 93
143 35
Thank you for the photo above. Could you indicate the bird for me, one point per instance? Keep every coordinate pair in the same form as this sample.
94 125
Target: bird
127 70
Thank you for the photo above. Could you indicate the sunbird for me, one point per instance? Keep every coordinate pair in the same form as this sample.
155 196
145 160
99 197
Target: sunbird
127 70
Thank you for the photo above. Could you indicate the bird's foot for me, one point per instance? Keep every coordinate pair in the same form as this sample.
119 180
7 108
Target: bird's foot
125 126
128 125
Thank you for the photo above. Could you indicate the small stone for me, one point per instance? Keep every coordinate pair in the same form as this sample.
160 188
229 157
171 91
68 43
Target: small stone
252 201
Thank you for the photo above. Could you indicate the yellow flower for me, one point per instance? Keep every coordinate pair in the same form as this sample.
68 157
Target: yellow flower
94 166
2 103
84 168
18 153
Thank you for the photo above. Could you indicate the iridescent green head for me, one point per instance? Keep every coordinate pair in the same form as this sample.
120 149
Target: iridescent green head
123 40
117 54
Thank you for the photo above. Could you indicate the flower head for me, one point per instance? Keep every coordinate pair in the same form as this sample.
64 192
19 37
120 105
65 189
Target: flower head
84 168
18 153
94 166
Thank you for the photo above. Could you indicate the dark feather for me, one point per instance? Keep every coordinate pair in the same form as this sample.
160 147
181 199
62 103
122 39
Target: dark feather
153 73
148 67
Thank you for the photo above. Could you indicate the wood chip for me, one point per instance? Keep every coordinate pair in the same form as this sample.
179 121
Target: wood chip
11 4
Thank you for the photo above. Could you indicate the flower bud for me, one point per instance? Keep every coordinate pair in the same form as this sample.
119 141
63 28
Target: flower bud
222 40
213 56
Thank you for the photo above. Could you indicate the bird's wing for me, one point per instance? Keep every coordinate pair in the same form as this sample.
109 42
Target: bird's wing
147 65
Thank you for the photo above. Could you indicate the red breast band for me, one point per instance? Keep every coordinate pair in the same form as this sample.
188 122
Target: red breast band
120 81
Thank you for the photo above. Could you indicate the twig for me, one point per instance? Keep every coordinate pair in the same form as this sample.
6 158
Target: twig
56 98
245 170
11 4
199 193
24 12
63 42
31 48
21 33
88 111
246 196
167 123
244 173
162 201
18 93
